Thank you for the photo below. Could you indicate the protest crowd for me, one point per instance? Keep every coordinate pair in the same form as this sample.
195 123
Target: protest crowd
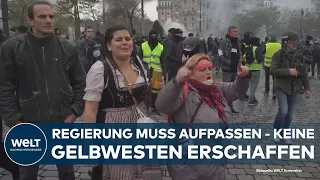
106 78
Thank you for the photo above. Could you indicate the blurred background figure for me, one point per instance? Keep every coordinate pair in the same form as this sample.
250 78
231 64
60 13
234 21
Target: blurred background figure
316 57
21 29
57 32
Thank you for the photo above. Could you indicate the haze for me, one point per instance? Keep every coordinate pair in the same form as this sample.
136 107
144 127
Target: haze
150 7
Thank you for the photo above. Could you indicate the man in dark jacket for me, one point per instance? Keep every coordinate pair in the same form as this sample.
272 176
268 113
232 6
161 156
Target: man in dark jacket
245 43
45 74
215 56
100 40
191 46
306 49
5 162
210 43
316 57
263 44
172 52
204 48
85 47
3 37
21 29
290 75
229 53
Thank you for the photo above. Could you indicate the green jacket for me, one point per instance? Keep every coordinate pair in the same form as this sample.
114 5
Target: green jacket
280 65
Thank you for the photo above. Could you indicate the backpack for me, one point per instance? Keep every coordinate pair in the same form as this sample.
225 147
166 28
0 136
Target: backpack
249 54
22 42
185 94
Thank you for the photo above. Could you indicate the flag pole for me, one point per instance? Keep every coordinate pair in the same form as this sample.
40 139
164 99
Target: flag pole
301 14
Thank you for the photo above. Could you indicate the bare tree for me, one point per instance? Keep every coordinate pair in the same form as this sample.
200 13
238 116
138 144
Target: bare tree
130 7
93 11
72 8
18 11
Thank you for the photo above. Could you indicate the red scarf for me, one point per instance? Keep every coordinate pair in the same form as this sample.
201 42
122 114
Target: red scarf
211 95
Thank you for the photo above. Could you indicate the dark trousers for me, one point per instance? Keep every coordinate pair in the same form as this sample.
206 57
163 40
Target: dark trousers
5 162
96 173
172 72
267 80
65 172
313 65
229 77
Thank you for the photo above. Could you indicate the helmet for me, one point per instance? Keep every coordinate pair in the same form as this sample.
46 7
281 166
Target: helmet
191 46
190 43
289 36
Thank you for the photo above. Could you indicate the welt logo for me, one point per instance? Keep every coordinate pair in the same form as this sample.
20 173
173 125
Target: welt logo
25 143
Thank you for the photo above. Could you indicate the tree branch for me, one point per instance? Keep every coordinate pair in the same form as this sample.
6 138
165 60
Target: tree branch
134 8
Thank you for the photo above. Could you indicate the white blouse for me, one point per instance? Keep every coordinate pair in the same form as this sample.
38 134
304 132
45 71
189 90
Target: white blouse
95 80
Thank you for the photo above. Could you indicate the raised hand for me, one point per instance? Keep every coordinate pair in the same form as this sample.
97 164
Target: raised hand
242 71
183 74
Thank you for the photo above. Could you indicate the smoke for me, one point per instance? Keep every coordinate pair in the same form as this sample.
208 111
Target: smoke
221 14
169 24
295 4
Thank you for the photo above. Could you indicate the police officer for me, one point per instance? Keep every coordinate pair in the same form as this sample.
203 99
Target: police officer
271 47
151 55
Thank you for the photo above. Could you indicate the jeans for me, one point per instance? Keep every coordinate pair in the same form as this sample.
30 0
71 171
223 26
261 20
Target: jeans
254 82
286 105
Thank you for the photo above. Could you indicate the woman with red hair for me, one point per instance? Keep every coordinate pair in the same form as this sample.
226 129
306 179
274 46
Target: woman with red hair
206 96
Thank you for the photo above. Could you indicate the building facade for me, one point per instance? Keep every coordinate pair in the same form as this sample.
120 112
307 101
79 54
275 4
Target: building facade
214 15
202 15
192 14
316 4
165 11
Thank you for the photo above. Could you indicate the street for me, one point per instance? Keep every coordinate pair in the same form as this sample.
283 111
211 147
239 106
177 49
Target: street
307 110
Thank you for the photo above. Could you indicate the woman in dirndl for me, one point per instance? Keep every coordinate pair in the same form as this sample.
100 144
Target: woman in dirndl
115 86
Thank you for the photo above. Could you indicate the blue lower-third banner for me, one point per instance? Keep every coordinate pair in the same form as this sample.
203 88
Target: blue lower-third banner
123 143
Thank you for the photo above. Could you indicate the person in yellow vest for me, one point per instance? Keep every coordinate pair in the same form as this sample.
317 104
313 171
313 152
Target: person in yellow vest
245 42
151 55
271 47
254 65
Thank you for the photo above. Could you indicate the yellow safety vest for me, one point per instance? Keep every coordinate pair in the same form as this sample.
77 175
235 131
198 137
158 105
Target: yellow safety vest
271 48
244 55
152 58
254 66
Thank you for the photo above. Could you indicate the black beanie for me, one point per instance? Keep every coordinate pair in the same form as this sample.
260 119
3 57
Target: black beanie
152 32
172 30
